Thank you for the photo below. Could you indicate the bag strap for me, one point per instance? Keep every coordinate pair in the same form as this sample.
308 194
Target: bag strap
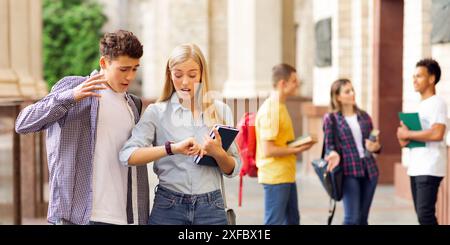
240 190
223 192
331 211
335 134
137 101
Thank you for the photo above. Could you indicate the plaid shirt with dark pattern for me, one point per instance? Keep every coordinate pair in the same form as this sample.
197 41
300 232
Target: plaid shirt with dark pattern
71 134
350 160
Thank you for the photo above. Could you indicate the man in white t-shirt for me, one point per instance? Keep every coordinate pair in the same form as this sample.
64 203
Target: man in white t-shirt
427 165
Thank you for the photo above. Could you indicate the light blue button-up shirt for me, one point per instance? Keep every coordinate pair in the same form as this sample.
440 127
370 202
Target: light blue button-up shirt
170 121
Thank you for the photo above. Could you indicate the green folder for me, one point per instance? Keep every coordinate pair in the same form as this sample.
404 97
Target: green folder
412 121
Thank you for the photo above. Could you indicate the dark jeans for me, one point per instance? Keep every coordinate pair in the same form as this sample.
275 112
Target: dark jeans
358 196
424 189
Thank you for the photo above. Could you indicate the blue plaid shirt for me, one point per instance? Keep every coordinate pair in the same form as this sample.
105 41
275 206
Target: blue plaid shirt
71 134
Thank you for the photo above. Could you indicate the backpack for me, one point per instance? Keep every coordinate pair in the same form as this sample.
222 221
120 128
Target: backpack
246 141
137 101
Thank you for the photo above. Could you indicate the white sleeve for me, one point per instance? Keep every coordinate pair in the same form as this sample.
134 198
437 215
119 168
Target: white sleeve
440 116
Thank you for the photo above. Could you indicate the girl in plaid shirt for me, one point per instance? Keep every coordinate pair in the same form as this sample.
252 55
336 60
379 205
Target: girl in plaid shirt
353 151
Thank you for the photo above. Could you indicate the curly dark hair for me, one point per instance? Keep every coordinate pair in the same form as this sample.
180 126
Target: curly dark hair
121 42
433 68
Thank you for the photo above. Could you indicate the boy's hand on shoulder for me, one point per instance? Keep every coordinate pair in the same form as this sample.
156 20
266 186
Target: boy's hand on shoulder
87 88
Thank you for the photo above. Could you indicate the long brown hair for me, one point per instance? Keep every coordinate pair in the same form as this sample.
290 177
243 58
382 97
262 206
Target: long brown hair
336 88
181 54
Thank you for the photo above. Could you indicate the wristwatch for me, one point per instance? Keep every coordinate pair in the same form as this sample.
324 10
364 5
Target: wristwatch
168 148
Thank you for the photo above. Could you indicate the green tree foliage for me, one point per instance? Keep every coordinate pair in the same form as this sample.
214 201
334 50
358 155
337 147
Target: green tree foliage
71 33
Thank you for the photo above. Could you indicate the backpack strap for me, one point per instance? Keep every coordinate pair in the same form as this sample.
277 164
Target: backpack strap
129 208
332 207
137 101
335 134
240 190
222 185
331 211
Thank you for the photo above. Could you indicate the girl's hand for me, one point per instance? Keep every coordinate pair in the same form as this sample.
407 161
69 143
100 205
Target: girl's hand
213 147
333 160
187 147
372 146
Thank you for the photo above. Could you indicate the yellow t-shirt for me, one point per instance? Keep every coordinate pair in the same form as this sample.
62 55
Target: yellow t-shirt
273 123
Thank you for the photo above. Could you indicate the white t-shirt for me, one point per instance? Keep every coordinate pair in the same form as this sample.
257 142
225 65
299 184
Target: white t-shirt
114 124
432 159
352 122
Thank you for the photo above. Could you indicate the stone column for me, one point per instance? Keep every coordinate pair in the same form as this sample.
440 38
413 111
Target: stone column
20 45
361 53
36 62
255 44
218 46
340 11
24 45
305 45
166 24
8 78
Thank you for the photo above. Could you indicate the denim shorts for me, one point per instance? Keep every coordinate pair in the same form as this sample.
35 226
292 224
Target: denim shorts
174 208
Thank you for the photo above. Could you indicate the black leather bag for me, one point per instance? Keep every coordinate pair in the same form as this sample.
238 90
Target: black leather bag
331 181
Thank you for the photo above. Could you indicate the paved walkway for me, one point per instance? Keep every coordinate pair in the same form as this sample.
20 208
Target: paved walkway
313 203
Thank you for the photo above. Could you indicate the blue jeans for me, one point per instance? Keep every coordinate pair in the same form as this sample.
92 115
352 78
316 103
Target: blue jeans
281 204
98 223
358 196
173 208
66 222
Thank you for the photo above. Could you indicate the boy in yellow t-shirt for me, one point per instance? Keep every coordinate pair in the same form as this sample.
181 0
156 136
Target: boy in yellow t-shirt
275 160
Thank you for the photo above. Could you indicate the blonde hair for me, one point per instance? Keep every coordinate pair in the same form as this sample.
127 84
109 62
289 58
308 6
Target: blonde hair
179 55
